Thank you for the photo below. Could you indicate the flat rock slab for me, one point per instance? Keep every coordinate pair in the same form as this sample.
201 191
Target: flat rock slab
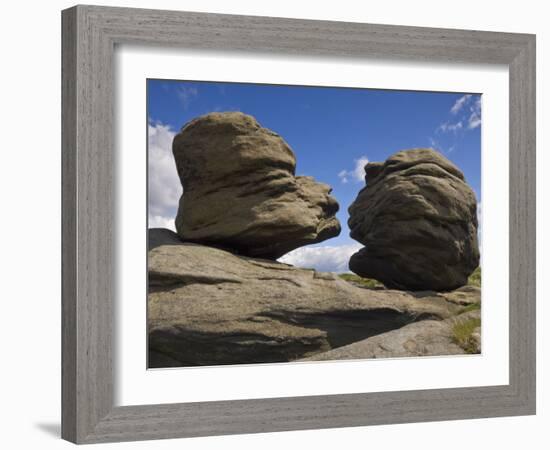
207 306
423 338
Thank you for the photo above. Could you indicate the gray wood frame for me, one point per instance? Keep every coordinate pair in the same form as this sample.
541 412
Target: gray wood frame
90 34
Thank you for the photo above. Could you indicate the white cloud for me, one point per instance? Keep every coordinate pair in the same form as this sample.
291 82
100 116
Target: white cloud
343 174
475 115
359 171
357 174
323 259
164 185
186 95
474 121
162 222
468 119
447 126
460 103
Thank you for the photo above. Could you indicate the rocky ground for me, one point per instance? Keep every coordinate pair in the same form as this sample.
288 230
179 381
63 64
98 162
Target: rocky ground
207 306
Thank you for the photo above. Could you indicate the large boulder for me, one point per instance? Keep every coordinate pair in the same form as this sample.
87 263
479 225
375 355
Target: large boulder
240 191
207 306
417 218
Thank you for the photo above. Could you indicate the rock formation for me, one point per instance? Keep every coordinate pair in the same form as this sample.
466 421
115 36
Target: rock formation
207 306
417 219
240 191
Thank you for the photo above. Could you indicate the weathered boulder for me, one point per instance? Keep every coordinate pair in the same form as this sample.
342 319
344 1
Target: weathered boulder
240 191
207 306
417 219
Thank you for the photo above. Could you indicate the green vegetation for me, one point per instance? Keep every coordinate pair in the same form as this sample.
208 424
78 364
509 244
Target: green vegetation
475 278
462 333
470 307
363 282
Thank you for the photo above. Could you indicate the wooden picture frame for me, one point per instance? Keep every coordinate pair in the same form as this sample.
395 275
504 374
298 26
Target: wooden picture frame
90 34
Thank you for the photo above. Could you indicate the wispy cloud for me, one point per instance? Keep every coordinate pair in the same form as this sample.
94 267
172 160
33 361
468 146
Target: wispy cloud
448 126
464 115
356 174
186 94
164 187
460 103
343 174
474 120
436 145
323 259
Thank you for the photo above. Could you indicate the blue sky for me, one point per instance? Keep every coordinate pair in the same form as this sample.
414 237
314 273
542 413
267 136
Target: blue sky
332 131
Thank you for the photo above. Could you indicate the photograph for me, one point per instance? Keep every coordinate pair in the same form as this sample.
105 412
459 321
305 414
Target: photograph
265 225
311 223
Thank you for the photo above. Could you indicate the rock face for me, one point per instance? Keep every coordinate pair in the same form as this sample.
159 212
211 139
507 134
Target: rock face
207 306
417 219
240 191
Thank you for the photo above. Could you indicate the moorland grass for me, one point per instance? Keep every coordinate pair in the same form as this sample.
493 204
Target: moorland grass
475 278
462 333
364 282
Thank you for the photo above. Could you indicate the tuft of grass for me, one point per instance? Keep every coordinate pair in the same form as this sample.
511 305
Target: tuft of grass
475 278
356 279
462 333
470 307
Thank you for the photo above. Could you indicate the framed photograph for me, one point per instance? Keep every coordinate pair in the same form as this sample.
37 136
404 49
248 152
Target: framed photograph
277 224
